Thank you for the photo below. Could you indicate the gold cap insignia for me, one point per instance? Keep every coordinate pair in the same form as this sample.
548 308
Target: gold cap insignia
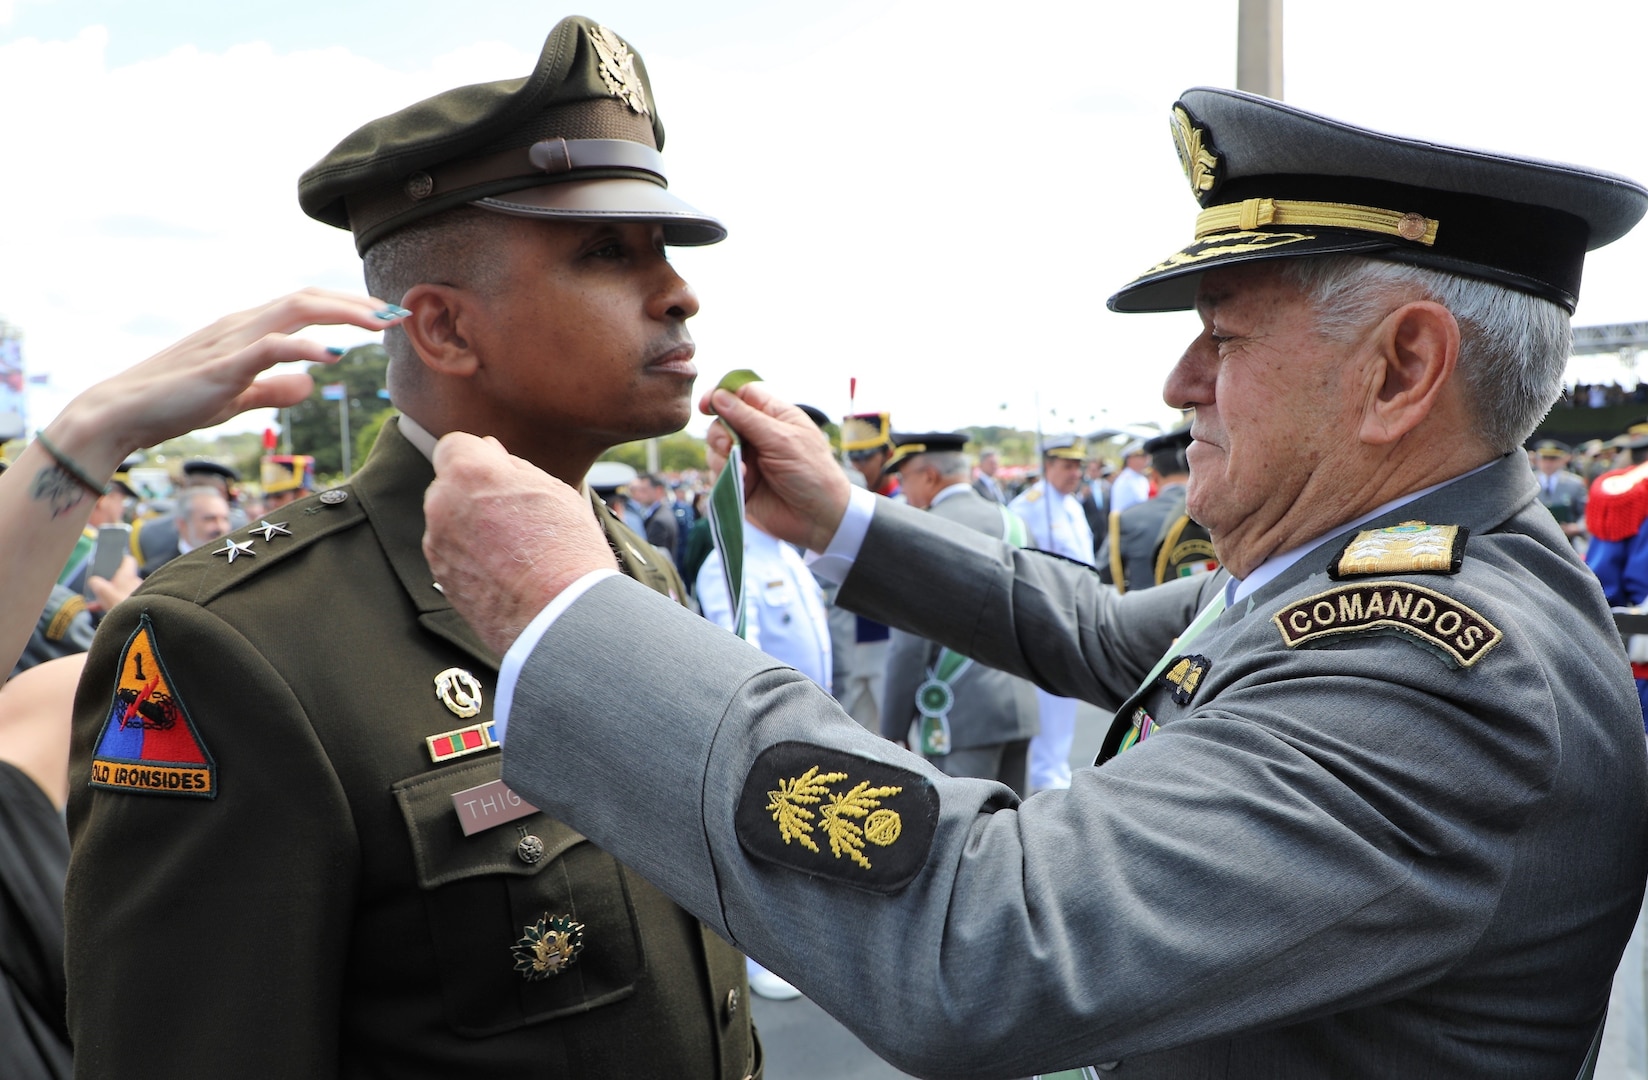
548 947
618 70
1199 162
459 691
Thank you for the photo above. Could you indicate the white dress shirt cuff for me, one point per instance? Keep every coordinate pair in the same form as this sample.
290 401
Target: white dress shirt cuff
516 657
835 562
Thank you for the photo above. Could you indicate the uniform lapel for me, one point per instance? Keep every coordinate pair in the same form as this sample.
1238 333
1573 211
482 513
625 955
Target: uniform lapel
390 487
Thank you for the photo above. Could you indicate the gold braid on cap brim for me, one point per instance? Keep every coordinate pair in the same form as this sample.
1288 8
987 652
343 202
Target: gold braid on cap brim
1250 214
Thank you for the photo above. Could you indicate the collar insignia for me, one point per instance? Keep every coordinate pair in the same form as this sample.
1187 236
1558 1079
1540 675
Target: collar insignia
1184 675
618 70
1412 547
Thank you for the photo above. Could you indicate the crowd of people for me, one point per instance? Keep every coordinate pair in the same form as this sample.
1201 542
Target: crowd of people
443 765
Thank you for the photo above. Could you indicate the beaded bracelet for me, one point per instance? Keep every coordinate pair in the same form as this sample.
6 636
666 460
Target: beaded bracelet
68 465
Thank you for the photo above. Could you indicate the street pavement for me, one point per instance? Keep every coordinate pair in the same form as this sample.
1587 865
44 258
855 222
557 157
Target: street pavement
803 1042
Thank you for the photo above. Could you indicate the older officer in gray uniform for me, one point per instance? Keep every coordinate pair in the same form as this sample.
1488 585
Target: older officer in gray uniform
964 717
1381 802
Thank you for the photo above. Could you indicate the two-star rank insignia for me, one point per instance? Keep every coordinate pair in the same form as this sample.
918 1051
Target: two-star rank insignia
271 531
1184 675
235 548
148 742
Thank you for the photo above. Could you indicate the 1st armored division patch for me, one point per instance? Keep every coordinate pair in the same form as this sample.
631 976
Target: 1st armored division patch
148 743
851 819
1377 607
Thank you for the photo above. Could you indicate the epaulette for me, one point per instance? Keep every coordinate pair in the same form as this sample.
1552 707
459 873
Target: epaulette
60 620
1411 547
1032 495
1618 503
229 561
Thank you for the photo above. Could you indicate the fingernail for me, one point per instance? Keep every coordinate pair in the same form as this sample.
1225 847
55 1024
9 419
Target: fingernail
336 350
721 399
392 311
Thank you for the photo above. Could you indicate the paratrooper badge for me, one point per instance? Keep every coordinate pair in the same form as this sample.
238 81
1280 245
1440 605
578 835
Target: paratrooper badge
1412 547
548 947
1184 675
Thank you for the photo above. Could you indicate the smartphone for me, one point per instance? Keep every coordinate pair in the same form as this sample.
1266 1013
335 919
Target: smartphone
113 541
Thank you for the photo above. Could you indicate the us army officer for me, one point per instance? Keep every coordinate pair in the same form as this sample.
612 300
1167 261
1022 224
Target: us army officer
292 849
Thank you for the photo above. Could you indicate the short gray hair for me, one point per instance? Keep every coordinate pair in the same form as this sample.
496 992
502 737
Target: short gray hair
947 463
1513 347
450 248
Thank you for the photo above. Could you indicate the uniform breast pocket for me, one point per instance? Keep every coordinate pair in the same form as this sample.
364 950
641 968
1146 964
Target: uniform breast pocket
529 920
777 593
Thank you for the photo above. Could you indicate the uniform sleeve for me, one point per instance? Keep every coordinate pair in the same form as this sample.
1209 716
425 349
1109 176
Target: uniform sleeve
1228 875
208 931
1034 615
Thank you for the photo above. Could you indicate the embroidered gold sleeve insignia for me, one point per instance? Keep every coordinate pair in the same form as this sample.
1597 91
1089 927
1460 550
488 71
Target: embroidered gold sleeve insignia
1413 547
1457 632
878 819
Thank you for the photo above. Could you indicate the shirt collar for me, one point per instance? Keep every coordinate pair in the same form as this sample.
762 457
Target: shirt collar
949 491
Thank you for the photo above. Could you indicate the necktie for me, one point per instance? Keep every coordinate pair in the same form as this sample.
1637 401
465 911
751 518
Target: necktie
1135 725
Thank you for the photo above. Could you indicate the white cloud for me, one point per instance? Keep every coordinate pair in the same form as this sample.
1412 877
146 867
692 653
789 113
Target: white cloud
935 198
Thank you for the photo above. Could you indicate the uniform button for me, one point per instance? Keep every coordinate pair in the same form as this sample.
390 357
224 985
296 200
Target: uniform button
529 850
732 1003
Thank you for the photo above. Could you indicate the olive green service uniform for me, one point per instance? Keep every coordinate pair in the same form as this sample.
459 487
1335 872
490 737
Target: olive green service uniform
299 897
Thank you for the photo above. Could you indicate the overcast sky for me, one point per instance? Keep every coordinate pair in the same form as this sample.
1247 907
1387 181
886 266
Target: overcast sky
932 196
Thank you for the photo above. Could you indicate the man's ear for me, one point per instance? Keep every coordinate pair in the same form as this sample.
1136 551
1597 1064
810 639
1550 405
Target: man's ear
1415 355
437 328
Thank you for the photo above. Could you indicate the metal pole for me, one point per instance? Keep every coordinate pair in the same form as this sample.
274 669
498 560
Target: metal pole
343 429
1259 47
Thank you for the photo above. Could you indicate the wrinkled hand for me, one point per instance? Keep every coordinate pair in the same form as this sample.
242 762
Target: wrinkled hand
208 377
503 537
109 592
793 487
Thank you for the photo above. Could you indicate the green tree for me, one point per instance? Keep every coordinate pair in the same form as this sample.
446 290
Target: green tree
313 422
675 453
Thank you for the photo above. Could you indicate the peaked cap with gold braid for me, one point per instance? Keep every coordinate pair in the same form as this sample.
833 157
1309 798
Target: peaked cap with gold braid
1278 182
578 139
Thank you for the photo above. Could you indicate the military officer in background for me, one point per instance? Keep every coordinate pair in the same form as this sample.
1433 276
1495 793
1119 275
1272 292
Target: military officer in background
867 440
294 853
1057 523
964 717
1131 486
985 483
1345 840
1562 492
1156 541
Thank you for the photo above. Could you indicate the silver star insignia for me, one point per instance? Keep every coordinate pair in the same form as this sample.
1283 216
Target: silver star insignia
271 531
233 548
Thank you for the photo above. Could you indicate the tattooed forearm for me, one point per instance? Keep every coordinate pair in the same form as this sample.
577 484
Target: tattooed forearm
54 486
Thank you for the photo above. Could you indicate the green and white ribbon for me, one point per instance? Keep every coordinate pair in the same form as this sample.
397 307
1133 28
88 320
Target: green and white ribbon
727 510
934 699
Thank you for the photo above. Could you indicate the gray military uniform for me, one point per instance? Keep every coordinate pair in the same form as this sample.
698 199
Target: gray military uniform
1355 856
991 707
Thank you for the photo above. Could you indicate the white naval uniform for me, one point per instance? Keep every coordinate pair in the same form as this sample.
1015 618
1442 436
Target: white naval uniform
1058 524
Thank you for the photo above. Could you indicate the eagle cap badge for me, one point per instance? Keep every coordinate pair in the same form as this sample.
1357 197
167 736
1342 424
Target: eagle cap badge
617 69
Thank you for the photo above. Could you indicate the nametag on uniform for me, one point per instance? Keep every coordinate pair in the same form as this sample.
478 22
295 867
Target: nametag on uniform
480 808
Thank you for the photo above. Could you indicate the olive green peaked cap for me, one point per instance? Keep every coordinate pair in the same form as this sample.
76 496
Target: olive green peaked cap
578 138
